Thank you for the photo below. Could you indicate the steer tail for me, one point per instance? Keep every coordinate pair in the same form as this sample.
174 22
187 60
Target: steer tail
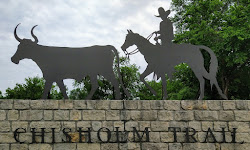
118 70
213 65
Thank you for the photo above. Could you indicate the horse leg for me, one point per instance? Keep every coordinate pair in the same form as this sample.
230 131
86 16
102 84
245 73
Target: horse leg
164 87
214 81
142 78
62 88
219 89
47 87
94 86
202 82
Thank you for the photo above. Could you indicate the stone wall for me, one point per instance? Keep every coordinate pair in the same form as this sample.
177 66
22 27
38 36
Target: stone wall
150 125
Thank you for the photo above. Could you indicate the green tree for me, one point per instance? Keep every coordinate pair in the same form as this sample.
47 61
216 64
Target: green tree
31 89
1 96
222 25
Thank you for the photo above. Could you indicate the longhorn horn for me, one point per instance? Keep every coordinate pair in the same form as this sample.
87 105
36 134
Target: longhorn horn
128 30
17 38
36 39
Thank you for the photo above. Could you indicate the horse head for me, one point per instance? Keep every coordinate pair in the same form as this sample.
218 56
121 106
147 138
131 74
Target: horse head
129 40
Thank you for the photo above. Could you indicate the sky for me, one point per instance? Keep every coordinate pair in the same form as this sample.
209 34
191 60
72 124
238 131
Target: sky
76 23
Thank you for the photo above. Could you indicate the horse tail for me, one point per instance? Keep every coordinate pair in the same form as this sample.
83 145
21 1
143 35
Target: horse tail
118 70
213 65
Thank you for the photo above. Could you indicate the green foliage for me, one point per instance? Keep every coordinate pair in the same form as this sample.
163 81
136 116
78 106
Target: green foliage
222 25
31 89
1 96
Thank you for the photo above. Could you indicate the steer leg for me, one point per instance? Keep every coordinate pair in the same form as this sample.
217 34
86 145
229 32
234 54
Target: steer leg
94 86
47 87
62 88
115 83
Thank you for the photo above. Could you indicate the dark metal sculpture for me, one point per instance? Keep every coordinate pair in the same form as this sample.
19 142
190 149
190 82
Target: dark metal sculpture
162 58
58 63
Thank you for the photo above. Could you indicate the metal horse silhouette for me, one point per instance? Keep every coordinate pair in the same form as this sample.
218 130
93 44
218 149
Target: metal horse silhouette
163 58
58 63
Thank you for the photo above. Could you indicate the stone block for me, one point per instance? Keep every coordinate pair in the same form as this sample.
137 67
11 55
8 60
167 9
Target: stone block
13 115
19 124
40 147
80 104
91 104
131 104
108 124
149 115
109 146
195 124
46 124
69 124
4 126
75 115
156 104
227 146
143 125
166 115
229 105
51 104
154 137
206 124
242 115
206 115
48 115
2 115
241 104
215 104
172 104
93 114
194 105
144 104
66 104
7 138
155 146
96 125
114 104
103 104
61 115
37 104
174 146
226 115
167 137
21 104
83 124
199 146
135 115
86 146
241 126
219 125
31 114
19 147
113 115
65 146
159 126
184 115
125 115
4 147
6 104
130 124
119 124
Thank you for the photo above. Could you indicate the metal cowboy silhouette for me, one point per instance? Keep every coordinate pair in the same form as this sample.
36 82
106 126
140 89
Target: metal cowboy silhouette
166 28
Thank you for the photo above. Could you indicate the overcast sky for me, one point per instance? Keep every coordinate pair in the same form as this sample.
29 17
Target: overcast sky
76 23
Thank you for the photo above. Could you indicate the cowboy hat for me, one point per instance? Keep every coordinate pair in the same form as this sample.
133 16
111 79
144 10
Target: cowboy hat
163 13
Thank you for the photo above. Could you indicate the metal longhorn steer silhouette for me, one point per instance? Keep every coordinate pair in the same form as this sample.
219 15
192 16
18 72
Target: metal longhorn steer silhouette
58 63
